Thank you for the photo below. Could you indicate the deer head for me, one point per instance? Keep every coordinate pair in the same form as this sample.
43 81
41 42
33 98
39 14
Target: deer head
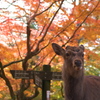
73 56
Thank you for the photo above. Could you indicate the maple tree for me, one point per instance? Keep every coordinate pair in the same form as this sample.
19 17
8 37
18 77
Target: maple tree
29 27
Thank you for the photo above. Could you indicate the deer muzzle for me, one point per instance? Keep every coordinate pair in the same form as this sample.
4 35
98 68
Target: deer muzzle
78 64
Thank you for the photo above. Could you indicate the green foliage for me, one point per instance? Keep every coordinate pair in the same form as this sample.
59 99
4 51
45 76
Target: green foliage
34 25
90 70
56 90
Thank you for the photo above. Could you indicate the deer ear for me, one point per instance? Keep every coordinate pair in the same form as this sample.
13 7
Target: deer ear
82 47
58 49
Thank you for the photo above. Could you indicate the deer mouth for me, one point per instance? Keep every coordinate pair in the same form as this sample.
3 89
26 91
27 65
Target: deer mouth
78 68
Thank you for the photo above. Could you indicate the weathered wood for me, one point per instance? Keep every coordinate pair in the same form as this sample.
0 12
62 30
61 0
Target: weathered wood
45 83
41 78
44 75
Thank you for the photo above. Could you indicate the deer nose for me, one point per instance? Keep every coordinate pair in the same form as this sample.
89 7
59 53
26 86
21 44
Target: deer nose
78 63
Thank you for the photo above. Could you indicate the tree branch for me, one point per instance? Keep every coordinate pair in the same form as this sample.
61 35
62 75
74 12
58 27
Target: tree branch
34 15
13 62
33 96
36 51
7 82
76 29
82 23
49 26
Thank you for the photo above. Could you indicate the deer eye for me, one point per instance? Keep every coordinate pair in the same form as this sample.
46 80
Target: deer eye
82 55
67 54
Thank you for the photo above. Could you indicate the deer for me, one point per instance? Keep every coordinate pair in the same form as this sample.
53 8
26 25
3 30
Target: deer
77 86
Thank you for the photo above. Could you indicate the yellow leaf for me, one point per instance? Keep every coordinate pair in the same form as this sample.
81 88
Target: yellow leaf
27 93
1 95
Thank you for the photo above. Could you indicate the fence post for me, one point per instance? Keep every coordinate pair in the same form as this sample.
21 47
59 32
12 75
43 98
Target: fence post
46 84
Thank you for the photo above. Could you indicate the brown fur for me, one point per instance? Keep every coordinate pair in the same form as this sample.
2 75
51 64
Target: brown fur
76 85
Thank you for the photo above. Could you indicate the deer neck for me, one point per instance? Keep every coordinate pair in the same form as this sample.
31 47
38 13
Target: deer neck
74 86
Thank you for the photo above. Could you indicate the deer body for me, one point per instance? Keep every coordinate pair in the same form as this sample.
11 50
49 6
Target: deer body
76 85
